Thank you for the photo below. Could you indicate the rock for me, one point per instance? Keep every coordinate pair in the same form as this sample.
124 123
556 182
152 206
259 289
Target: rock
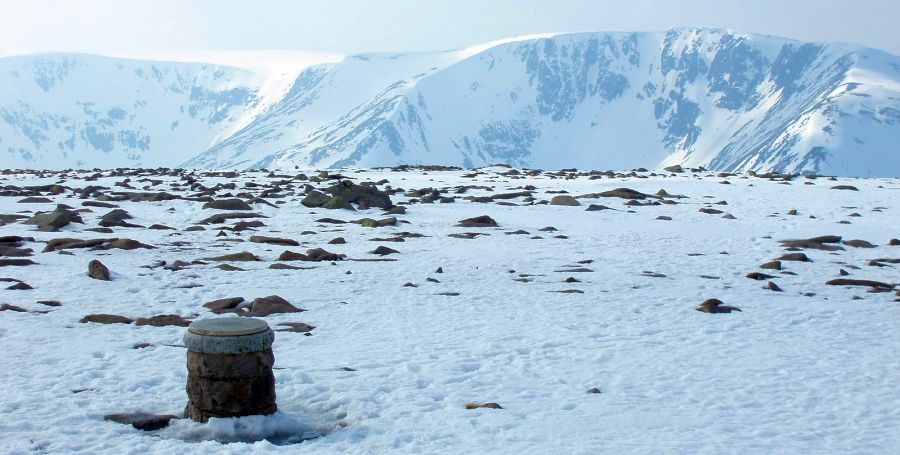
105 319
141 421
894 242
800 257
715 306
226 305
315 199
773 287
364 195
626 193
478 221
53 221
298 327
852 282
20 286
439 270
816 243
594 390
16 262
242 256
220 218
13 308
845 187
489 405
383 251
163 320
161 227
273 240
117 217
103 205
758 276
98 271
858 244
273 304
676 169
563 199
771 265
227 204
337 241
664 218
35 200
596 208
710 211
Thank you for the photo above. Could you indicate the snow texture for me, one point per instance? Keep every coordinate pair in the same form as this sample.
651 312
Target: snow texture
389 369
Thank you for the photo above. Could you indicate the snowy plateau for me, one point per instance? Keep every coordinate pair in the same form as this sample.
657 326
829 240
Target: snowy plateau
495 310
724 100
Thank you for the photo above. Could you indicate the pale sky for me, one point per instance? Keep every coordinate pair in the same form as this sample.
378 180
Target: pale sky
354 26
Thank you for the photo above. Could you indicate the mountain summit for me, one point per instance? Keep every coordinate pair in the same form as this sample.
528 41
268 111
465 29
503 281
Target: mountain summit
692 96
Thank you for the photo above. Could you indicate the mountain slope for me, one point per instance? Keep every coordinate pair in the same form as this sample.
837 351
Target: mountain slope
710 97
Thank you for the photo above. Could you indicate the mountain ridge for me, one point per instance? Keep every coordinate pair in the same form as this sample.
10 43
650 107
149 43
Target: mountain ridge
694 96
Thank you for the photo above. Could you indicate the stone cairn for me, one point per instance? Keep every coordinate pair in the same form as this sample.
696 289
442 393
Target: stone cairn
229 362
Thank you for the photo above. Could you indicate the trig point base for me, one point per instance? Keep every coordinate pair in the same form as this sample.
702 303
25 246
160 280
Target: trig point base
229 362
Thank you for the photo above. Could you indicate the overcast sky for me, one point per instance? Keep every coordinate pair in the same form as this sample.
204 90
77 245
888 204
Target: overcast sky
352 26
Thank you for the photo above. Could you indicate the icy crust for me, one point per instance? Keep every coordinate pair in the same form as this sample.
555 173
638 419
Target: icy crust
391 368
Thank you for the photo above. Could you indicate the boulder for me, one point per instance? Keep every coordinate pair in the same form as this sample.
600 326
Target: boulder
365 195
53 221
98 271
227 204
273 304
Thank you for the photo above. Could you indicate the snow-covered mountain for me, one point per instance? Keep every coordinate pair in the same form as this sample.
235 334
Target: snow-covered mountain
710 97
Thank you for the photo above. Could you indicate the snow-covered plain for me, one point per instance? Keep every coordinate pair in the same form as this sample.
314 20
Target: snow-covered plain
790 373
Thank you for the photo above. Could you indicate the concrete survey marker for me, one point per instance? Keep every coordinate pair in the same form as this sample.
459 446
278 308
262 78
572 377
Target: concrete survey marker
229 362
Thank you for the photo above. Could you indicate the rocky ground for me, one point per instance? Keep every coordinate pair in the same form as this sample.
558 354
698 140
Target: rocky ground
427 309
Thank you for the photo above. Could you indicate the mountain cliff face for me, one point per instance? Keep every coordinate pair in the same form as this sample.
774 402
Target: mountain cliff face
723 100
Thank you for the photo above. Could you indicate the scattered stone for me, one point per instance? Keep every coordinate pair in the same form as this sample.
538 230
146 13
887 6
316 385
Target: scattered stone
845 187
816 243
594 390
489 405
227 204
800 257
20 286
273 304
852 282
626 193
98 271
297 327
242 256
478 221
858 244
758 276
676 169
14 308
315 199
105 319
116 218
664 218
164 320
142 421
383 251
365 196
273 240
715 306
773 287
710 211
564 200
771 265
466 235
226 305
55 220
